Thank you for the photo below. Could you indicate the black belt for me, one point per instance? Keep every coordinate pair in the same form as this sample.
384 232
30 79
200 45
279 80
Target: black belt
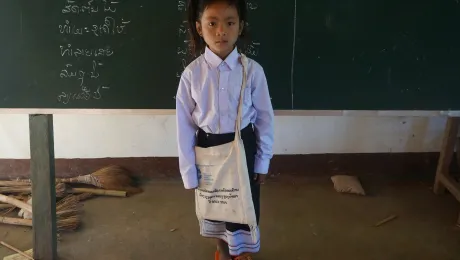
249 129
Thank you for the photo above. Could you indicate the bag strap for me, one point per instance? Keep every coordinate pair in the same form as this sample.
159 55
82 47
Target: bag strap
244 62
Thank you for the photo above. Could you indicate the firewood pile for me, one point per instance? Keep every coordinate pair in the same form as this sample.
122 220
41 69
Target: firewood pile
16 196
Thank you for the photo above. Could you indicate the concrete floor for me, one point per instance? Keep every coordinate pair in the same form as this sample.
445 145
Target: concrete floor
301 219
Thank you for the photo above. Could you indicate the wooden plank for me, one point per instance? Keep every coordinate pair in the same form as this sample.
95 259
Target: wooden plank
18 256
352 113
87 111
43 186
447 151
458 151
451 185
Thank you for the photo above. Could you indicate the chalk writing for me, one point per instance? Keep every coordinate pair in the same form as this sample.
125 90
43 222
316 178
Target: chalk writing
252 5
66 74
71 7
87 76
253 48
183 50
108 6
181 6
68 51
109 27
69 72
85 94
182 29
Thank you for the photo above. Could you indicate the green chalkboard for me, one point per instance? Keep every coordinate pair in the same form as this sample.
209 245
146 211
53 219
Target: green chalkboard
317 54
116 54
10 52
99 54
377 55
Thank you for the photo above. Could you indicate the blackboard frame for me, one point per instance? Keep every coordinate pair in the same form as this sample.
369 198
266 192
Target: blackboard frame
346 113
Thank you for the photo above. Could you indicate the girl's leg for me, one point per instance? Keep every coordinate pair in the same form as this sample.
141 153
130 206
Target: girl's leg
223 250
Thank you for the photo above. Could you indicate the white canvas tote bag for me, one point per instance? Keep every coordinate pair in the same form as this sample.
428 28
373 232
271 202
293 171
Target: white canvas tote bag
224 192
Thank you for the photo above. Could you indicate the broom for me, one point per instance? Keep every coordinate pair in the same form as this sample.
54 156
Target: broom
84 196
67 218
6 206
63 224
14 183
111 177
6 209
60 189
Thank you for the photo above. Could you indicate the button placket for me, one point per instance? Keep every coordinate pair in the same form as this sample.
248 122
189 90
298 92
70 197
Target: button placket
223 95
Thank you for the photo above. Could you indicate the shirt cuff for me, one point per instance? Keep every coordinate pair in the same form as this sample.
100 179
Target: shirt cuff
190 180
261 166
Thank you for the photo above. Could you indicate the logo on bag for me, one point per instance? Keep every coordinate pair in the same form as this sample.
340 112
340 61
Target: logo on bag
205 178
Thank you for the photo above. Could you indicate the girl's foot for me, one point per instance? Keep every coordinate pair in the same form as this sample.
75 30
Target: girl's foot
243 257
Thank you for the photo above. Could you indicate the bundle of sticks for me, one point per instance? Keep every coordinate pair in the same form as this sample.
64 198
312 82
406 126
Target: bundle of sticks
109 181
112 180
67 212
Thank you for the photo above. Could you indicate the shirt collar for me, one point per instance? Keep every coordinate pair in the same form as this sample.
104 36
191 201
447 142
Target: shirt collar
214 60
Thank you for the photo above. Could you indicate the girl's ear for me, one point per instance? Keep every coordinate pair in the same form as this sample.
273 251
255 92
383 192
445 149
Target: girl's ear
199 29
241 27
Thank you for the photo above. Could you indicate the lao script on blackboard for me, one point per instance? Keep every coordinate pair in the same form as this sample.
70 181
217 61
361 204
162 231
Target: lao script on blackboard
83 66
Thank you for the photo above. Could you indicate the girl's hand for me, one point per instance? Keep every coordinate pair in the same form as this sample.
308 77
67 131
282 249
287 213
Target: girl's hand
260 178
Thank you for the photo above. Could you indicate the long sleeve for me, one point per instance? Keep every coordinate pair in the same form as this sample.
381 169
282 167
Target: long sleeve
264 121
186 130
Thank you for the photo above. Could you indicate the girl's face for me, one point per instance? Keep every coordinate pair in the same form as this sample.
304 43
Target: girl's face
220 27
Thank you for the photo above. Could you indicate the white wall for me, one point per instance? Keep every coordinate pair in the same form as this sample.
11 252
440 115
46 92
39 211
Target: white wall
96 136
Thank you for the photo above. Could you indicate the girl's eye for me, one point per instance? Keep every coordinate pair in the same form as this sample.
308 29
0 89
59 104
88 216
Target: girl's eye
212 23
231 23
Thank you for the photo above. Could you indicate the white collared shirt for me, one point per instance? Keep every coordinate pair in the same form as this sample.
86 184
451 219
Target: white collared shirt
208 97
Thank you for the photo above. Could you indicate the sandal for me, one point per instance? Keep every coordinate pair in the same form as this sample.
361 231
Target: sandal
243 257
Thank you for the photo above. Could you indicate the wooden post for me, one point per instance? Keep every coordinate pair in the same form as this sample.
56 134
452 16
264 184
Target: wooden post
43 187
447 151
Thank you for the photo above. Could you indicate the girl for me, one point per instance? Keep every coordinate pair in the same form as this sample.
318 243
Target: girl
206 107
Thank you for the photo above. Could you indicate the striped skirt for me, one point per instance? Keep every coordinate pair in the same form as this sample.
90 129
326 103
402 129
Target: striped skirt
237 236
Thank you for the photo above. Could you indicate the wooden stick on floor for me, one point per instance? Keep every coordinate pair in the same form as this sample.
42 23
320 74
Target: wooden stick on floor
17 250
458 221
386 220
115 193
458 151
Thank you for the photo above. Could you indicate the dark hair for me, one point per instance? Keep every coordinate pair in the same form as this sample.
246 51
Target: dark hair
195 10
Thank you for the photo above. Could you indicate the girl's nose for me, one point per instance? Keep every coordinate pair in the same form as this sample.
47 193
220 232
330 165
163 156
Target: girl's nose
221 31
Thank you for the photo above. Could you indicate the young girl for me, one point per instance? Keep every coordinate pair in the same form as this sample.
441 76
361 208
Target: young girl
206 106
